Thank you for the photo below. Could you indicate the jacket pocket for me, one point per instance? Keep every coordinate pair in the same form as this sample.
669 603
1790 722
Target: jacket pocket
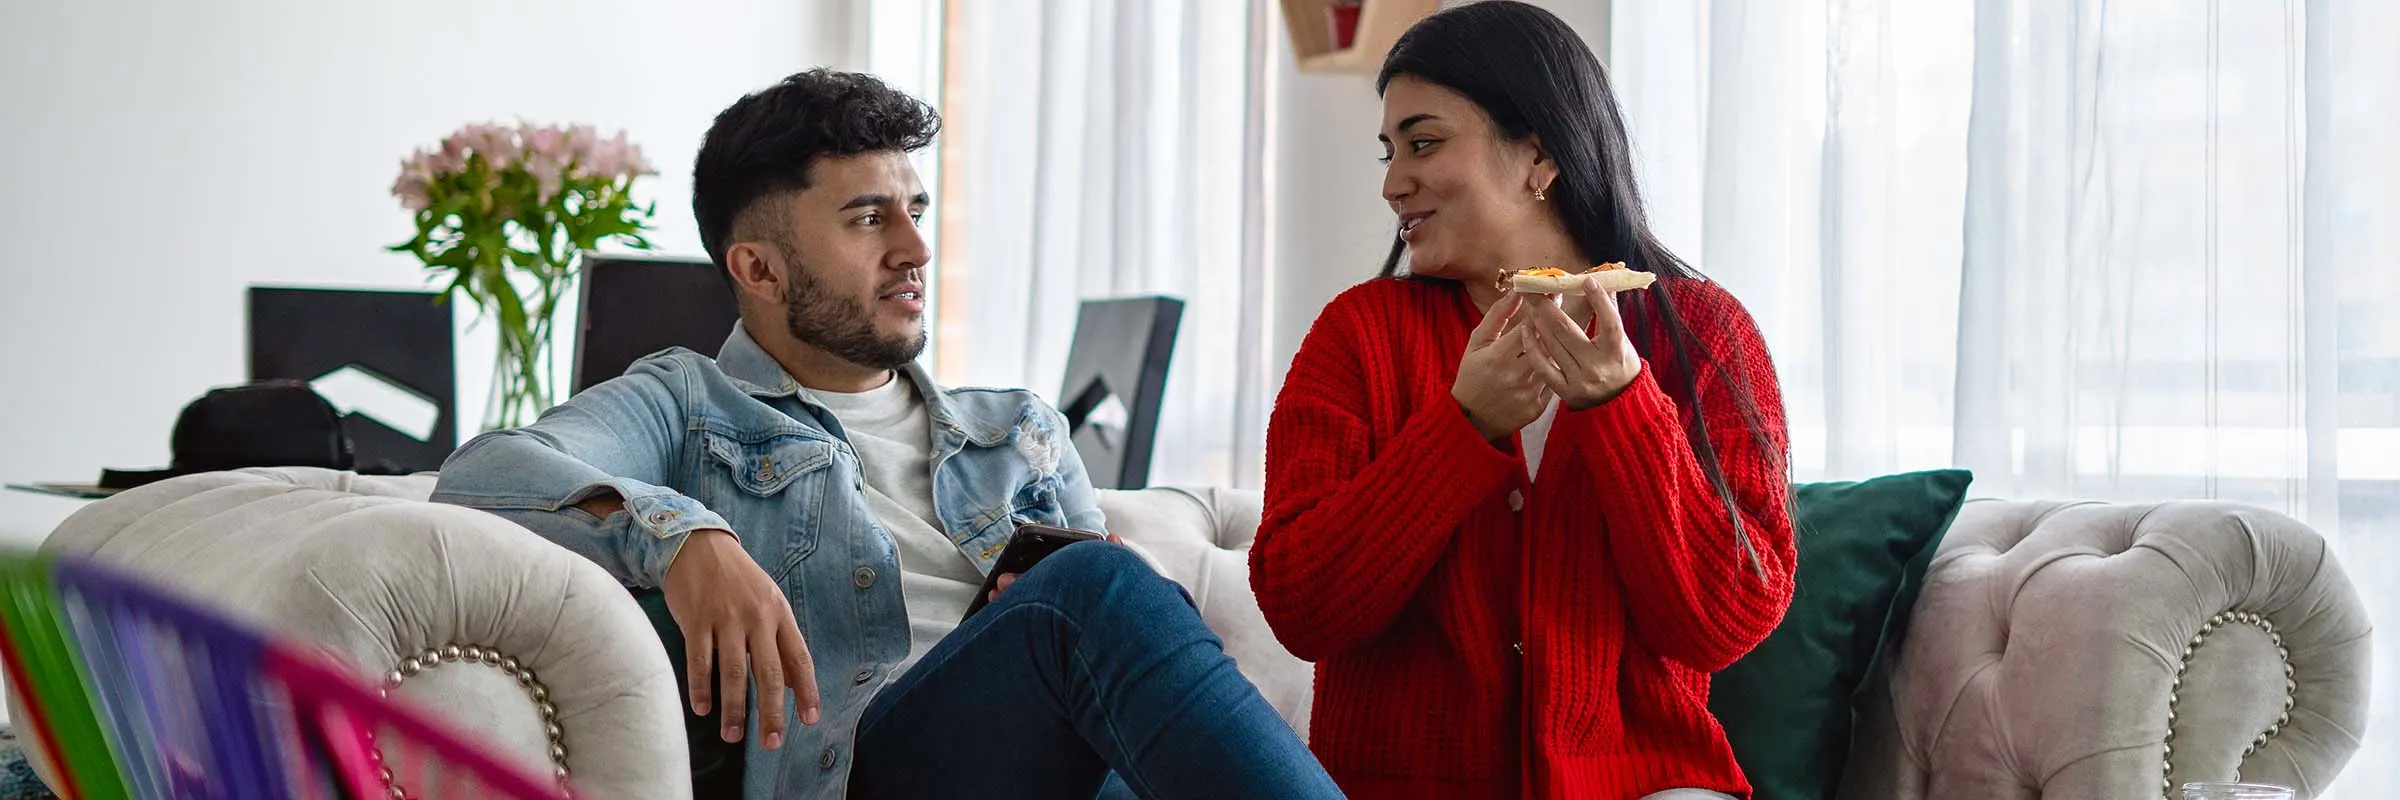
772 490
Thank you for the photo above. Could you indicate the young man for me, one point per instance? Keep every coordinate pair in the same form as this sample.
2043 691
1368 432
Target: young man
818 513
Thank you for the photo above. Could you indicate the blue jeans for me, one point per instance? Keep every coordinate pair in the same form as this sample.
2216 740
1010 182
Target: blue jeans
1089 663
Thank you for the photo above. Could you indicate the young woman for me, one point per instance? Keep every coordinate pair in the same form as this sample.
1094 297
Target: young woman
1517 534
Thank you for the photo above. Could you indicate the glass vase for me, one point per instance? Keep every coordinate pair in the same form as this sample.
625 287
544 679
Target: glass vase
2235 791
521 377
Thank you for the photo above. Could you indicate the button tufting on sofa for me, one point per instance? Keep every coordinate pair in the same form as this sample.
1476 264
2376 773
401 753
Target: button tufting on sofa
509 667
2283 658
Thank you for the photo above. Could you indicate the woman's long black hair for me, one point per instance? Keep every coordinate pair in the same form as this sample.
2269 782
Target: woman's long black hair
1530 71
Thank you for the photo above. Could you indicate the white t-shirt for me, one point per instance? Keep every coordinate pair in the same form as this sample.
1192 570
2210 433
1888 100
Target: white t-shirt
894 439
1535 437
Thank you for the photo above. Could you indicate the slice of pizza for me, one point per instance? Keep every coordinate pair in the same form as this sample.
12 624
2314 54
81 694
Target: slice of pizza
1613 277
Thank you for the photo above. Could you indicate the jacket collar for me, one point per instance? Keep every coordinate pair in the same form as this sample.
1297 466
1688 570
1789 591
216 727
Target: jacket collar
758 375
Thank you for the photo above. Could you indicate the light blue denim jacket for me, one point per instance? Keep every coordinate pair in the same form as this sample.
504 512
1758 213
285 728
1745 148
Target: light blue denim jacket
693 443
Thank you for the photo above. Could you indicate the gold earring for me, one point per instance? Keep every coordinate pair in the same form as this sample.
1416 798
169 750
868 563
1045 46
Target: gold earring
1538 195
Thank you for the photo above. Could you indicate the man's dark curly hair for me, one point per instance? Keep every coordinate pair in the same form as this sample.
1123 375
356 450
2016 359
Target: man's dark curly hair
762 147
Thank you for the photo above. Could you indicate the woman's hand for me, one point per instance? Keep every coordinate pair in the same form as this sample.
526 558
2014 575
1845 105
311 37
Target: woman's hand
1497 384
1584 371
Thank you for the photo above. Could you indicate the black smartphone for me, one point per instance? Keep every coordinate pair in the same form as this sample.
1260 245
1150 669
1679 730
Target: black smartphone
1027 547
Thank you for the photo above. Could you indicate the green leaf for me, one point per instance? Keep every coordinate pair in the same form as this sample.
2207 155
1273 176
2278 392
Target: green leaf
506 301
464 284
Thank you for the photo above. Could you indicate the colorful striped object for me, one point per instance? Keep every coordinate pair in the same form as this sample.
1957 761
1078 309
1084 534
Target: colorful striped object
138 694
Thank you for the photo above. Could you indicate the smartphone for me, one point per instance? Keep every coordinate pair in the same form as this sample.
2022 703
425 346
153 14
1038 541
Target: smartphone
1027 547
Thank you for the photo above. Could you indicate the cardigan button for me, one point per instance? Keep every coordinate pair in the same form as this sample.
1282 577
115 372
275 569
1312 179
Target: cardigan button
1516 500
1517 646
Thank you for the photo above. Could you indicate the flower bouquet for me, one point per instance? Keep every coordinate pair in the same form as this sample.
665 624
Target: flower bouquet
502 213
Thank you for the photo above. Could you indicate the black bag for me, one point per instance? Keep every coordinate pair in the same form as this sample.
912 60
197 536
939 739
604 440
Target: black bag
279 423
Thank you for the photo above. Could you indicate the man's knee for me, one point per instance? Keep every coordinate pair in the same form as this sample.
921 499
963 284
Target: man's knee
1104 571
1094 559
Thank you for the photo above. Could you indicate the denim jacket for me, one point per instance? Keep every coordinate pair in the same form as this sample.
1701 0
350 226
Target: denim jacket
691 443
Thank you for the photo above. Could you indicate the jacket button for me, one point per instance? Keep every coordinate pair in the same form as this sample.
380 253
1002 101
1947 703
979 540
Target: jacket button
1516 500
827 759
862 577
1517 646
862 676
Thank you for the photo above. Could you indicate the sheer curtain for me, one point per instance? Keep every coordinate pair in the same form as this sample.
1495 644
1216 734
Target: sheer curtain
1102 149
2115 249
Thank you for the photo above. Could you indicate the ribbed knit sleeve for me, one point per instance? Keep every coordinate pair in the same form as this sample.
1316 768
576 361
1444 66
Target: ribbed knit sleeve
1354 518
1695 591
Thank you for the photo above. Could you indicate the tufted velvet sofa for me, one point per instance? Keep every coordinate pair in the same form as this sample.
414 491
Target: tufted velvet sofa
2074 651
2060 651
2064 651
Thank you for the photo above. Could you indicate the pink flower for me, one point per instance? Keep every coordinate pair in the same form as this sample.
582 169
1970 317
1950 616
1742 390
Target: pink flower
619 157
547 142
412 193
418 163
413 187
636 163
452 158
552 155
607 157
549 175
582 138
496 144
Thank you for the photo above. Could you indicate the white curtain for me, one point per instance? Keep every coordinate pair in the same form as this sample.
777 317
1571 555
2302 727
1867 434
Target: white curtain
2113 249
1104 149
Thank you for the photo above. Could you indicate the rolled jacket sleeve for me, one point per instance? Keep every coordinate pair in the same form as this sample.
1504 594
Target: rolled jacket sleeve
620 437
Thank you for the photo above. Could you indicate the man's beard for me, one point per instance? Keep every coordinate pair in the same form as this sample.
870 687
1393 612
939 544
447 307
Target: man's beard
843 328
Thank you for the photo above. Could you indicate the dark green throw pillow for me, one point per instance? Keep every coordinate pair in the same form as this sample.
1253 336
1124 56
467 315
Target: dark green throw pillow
1863 549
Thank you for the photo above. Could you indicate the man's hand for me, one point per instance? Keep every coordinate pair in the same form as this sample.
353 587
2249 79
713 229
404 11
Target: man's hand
735 618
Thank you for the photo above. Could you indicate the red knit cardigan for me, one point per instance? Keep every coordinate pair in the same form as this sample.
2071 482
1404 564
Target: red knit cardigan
1480 635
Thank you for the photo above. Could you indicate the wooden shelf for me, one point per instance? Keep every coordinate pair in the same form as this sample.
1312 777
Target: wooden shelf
1380 23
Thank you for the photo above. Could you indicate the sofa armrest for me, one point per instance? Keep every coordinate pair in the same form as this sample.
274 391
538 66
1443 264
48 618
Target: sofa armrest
501 635
1200 538
2088 650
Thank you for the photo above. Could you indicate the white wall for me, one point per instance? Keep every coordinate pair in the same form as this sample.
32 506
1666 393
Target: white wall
1332 228
158 157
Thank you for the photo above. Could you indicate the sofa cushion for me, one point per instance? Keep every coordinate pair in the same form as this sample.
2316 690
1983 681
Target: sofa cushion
1863 547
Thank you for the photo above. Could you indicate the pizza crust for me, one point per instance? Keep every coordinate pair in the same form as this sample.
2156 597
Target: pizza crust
1611 281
